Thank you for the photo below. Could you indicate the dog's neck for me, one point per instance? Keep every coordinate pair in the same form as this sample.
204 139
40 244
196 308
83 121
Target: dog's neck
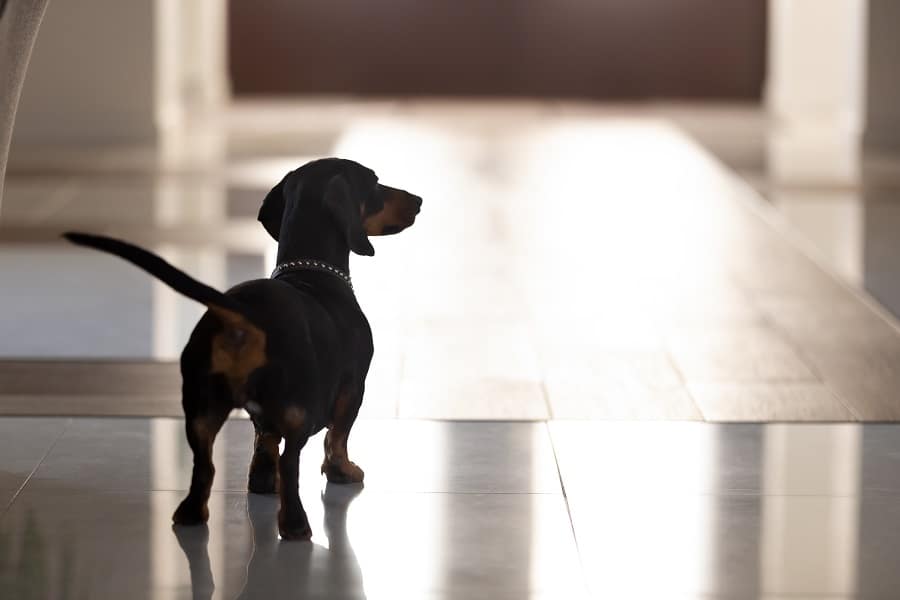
307 242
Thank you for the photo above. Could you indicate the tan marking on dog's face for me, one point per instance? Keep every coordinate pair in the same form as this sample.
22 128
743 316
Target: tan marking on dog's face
294 417
238 350
399 212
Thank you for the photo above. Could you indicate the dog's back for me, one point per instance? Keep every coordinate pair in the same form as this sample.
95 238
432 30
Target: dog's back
316 337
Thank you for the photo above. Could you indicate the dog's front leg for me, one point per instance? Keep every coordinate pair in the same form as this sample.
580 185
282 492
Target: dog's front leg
292 521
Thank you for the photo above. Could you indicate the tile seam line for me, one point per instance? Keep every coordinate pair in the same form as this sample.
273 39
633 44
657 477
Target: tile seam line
565 497
36 467
670 359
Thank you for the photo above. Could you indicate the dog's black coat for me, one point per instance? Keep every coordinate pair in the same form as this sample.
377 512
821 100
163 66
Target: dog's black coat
295 350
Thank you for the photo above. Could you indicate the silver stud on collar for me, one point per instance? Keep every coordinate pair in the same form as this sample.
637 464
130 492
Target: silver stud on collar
315 265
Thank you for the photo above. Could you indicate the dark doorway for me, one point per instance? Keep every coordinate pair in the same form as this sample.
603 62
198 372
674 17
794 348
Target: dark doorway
604 49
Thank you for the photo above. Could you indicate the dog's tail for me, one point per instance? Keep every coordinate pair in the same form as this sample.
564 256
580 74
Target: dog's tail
227 308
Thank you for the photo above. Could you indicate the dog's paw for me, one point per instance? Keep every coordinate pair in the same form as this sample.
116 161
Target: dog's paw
263 481
190 513
298 529
347 472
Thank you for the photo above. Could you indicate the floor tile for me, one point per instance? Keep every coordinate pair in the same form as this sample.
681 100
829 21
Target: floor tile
409 456
836 320
86 378
114 545
588 383
566 333
92 405
769 402
729 353
142 388
455 350
704 302
589 398
23 443
736 364
481 399
880 459
745 546
865 376
656 459
651 369
82 388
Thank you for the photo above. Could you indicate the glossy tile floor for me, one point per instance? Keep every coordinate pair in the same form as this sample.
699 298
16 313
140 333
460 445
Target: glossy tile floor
461 510
570 262
584 288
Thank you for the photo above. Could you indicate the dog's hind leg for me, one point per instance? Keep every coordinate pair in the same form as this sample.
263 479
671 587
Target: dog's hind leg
267 382
263 477
292 521
337 466
204 417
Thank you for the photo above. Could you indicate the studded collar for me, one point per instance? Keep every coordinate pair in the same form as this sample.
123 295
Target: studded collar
309 264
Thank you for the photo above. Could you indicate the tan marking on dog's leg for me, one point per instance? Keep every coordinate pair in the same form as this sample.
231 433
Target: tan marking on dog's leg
337 467
294 417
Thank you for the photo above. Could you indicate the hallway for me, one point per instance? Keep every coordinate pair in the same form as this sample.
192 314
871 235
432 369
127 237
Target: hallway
569 263
604 363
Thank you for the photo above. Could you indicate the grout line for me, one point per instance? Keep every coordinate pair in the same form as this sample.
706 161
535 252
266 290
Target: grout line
670 358
546 395
565 496
36 467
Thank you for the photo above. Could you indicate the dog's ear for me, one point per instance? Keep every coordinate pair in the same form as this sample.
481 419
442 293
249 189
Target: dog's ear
347 213
271 212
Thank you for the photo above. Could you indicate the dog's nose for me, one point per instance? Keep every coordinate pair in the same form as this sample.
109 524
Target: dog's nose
418 202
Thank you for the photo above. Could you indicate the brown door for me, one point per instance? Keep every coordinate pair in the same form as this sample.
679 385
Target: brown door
616 49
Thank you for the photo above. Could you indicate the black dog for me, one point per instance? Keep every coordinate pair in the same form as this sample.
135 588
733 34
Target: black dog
292 350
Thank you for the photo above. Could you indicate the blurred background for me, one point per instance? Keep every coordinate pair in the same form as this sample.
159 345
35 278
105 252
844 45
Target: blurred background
634 210
637 168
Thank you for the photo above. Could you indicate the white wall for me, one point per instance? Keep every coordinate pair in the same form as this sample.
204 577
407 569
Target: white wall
816 61
91 76
108 72
816 88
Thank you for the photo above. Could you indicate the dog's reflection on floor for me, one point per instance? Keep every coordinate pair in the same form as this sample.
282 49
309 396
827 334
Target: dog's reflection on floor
285 569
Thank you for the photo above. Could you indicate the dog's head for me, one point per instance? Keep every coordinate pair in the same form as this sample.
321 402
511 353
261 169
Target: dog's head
346 191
